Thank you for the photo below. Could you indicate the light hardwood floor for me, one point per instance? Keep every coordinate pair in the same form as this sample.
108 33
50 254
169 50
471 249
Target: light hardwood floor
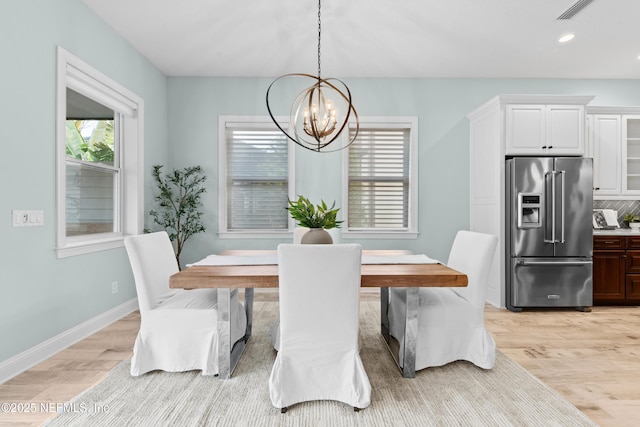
592 359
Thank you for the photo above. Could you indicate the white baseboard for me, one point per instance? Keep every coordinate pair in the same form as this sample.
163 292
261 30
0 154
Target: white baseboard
28 358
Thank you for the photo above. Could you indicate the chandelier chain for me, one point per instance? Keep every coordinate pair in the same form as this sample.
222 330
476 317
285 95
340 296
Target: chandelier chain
319 33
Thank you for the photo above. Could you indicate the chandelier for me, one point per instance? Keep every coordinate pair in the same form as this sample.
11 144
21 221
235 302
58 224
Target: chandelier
320 112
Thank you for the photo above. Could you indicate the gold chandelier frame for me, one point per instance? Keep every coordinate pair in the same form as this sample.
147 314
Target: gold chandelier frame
313 114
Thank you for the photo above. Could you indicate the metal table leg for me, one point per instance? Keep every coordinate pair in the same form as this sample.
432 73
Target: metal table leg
224 333
410 333
248 308
384 313
228 355
407 367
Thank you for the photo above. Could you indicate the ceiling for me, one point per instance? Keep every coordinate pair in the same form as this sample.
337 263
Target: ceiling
381 38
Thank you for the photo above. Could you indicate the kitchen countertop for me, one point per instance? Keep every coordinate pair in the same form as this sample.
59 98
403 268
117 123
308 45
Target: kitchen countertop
616 232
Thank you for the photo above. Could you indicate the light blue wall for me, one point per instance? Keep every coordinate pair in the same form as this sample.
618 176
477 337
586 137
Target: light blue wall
42 296
441 106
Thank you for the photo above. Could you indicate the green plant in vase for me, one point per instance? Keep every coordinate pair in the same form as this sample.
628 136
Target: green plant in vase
633 221
318 218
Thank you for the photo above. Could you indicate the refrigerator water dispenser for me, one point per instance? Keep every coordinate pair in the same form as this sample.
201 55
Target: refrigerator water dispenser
529 210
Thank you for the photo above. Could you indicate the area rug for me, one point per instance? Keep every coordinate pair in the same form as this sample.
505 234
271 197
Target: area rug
458 394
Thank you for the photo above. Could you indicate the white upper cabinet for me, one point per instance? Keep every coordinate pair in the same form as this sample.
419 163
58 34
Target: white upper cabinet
565 129
525 129
614 144
631 155
542 129
605 147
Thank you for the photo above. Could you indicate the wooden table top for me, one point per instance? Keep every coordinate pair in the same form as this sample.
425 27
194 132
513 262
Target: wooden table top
266 276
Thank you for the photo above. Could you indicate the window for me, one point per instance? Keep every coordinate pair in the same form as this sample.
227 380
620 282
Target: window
99 189
381 179
255 177
93 172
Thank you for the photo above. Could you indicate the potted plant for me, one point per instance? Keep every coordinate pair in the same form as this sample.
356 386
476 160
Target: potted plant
318 219
633 221
178 199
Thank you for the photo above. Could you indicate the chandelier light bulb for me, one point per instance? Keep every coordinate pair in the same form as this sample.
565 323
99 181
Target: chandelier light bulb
322 123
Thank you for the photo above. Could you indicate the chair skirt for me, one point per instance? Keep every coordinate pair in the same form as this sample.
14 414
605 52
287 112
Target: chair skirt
181 334
449 329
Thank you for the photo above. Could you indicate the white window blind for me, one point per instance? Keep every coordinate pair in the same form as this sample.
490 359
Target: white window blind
378 192
257 178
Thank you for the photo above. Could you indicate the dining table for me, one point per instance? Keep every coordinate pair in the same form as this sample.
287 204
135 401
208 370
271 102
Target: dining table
249 269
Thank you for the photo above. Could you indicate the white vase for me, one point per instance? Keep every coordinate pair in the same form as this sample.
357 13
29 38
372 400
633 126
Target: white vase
316 236
634 226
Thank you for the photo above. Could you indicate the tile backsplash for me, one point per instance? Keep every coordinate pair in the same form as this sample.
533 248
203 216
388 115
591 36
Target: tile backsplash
622 206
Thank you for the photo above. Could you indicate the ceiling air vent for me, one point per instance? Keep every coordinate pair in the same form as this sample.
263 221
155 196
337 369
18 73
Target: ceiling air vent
571 12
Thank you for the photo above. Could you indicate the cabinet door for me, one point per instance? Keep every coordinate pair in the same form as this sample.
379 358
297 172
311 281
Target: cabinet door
525 129
633 287
633 262
605 137
565 129
631 155
608 275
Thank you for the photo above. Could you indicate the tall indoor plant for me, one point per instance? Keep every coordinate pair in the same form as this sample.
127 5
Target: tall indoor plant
178 198
318 218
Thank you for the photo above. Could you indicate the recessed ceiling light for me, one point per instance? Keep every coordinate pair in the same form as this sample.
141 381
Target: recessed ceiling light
565 38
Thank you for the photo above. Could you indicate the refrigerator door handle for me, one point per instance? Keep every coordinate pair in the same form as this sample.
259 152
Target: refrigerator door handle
553 207
543 263
562 173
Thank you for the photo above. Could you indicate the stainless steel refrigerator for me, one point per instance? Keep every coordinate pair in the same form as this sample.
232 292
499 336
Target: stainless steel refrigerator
549 233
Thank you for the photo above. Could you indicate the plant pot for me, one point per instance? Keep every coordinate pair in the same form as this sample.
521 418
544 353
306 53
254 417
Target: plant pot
634 226
316 236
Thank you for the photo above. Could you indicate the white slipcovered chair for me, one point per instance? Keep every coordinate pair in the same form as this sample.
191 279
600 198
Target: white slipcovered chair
451 320
319 306
178 328
298 232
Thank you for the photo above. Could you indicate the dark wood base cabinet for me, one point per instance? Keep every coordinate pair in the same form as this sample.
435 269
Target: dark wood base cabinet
616 270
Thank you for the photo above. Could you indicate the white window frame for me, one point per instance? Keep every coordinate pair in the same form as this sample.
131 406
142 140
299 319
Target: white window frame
411 232
249 121
77 75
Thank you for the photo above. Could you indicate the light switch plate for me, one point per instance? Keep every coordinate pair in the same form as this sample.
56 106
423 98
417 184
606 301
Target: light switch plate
20 218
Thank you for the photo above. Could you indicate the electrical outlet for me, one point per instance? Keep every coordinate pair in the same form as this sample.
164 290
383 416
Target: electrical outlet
114 287
22 218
